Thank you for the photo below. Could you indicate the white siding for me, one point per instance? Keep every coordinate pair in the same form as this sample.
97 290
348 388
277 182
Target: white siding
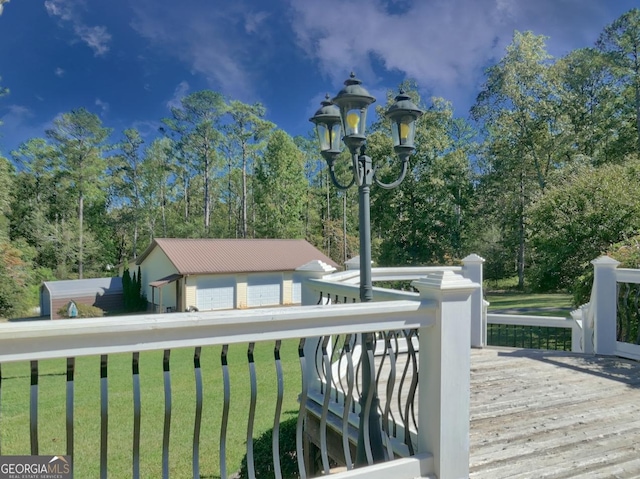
154 267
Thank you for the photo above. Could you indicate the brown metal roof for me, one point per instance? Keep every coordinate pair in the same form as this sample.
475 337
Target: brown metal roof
215 256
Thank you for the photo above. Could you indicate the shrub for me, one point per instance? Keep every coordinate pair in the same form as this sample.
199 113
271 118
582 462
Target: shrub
263 454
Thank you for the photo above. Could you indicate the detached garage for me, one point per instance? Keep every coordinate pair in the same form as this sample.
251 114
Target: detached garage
214 274
104 293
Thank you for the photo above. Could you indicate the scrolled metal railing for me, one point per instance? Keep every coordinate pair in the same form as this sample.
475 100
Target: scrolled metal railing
396 375
628 313
139 336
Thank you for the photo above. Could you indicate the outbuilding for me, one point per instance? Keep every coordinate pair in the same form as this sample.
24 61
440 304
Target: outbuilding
104 293
212 274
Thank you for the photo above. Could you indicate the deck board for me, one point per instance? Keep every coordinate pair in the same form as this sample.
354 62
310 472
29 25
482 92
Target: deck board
548 414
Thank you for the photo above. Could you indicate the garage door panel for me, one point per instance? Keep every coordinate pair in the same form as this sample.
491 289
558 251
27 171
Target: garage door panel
215 293
297 289
264 290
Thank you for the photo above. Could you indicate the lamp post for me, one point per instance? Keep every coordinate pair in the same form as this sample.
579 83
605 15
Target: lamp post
344 119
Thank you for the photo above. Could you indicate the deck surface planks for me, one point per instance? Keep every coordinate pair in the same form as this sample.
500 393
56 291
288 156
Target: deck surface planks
548 414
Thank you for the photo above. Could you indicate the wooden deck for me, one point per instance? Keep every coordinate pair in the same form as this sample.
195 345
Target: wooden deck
546 414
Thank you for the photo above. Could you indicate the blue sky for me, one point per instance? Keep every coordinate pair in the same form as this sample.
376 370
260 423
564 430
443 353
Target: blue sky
128 61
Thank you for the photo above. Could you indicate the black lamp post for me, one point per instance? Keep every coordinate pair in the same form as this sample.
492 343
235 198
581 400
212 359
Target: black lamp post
344 118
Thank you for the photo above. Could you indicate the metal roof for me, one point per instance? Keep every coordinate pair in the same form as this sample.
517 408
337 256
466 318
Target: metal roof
80 287
164 281
216 256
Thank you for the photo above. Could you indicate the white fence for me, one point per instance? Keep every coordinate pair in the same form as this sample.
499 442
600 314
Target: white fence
603 316
440 312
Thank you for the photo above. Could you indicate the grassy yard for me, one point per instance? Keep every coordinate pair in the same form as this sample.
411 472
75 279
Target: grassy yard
539 304
14 409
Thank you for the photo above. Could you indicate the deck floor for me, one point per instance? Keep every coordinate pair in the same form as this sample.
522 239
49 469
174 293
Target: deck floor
547 414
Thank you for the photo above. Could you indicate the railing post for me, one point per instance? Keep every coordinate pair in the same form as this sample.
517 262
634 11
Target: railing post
444 380
604 298
472 269
353 264
312 270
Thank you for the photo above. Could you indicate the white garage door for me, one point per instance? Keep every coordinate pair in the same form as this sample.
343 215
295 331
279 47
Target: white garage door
297 289
264 290
215 293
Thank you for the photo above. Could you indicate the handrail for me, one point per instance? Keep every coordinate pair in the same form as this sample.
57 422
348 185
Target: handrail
87 337
627 275
530 320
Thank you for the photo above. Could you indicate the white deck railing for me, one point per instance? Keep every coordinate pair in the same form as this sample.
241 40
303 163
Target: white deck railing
612 315
441 313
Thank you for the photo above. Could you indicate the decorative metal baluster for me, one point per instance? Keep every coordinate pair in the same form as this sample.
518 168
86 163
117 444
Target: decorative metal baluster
198 418
626 337
414 381
348 400
251 467
0 407
71 365
301 413
396 343
225 410
137 411
104 415
391 381
33 410
408 405
167 413
276 419
326 362
368 349
336 381
319 365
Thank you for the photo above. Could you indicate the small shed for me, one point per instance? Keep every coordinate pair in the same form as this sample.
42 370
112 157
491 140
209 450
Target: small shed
104 293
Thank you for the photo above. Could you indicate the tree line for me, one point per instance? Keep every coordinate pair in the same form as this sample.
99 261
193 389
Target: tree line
541 178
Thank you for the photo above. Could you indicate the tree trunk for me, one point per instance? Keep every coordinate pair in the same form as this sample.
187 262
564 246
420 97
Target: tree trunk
207 199
521 235
80 235
244 190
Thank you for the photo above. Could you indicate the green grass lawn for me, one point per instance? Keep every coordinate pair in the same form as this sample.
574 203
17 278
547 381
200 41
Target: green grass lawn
14 409
553 304
529 304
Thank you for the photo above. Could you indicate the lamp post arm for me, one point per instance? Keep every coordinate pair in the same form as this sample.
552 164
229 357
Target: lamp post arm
400 179
335 181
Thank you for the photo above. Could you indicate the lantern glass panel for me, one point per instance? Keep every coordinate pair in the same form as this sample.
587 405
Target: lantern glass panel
323 136
354 121
335 137
403 130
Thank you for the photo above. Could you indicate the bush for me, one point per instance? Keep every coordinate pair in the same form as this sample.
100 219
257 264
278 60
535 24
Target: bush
627 252
84 311
579 219
263 453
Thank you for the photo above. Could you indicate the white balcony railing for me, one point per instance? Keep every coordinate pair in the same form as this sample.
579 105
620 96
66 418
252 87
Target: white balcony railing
440 314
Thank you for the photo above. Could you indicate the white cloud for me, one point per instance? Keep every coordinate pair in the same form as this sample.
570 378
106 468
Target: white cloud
178 94
17 127
103 105
59 72
443 44
225 43
254 21
96 37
